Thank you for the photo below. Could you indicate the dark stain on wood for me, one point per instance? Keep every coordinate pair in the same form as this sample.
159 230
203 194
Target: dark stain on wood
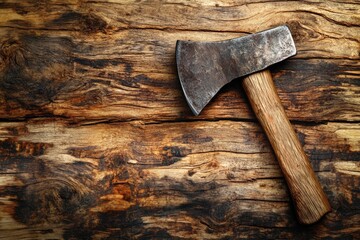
193 137
92 23
16 164
173 154
18 130
327 74
319 155
40 202
21 23
87 23
11 147
322 87
31 77
81 152
98 63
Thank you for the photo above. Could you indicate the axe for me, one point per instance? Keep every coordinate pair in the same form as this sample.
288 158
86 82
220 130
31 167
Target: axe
205 67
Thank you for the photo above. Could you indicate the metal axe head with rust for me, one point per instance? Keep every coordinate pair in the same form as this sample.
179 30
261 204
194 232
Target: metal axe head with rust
205 67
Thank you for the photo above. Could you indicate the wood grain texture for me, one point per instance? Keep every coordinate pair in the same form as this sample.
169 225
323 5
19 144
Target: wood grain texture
171 180
97 142
309 199
116 60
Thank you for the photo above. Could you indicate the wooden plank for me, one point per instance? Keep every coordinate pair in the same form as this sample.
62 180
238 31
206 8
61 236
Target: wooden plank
317 20
103 60
212 179
322 29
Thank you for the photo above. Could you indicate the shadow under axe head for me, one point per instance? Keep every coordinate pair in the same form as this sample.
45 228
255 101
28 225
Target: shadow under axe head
205 67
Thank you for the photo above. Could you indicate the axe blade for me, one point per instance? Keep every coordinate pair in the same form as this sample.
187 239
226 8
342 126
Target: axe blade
205 67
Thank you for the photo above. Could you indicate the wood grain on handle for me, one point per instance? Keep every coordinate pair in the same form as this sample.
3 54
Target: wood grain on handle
308 197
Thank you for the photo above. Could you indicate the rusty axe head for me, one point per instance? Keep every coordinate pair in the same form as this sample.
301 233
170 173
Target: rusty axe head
205 67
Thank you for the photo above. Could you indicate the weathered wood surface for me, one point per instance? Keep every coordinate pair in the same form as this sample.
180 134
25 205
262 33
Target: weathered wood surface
96 139
191 180
98 59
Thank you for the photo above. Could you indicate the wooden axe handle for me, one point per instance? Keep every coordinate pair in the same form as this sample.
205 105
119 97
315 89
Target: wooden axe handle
308 197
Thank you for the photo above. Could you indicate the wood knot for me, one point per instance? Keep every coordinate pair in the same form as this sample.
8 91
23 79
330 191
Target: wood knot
11 53
92 23
51 200
35 70
301 33
172 155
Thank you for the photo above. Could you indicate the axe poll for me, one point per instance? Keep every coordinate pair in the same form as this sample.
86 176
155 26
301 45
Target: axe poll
205 67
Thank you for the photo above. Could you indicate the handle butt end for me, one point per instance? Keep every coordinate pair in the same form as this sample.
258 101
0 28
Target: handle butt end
314 210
